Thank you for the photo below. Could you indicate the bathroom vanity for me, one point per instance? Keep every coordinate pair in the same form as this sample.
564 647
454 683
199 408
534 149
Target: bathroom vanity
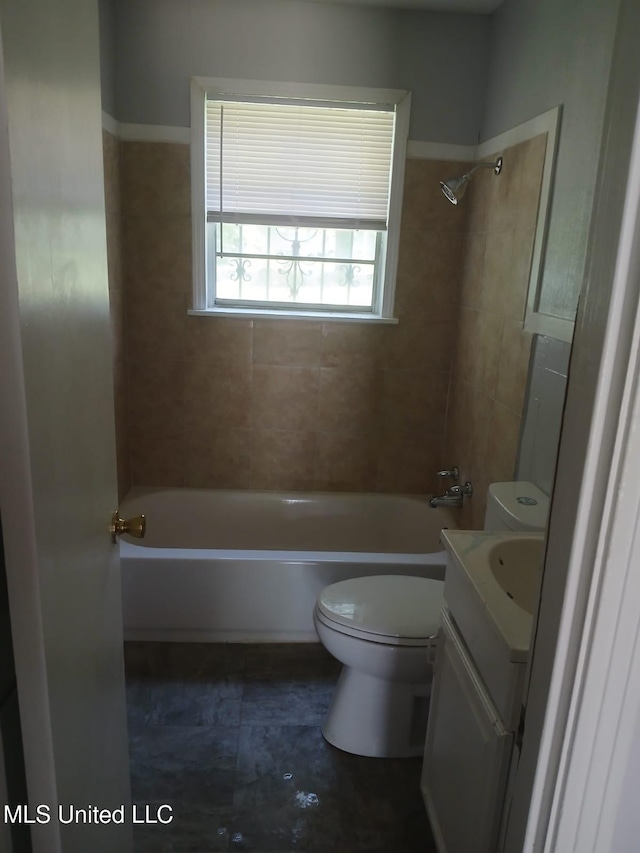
491 590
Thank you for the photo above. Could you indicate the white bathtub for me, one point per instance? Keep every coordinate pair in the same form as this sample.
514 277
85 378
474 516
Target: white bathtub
240 566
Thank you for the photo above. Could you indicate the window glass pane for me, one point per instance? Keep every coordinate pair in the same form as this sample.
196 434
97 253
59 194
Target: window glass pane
295 265
295 281
297 241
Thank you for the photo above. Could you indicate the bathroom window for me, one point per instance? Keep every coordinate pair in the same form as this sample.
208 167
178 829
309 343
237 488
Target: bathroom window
296 195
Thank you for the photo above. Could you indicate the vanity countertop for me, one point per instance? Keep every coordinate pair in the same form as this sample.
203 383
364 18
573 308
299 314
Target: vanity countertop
471 581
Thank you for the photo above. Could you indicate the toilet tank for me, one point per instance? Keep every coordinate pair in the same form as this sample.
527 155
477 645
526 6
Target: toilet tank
518 506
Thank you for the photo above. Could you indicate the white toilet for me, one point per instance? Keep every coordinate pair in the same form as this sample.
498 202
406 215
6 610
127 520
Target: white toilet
383 630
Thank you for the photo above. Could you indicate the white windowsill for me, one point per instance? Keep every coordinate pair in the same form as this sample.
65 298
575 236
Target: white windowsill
253 314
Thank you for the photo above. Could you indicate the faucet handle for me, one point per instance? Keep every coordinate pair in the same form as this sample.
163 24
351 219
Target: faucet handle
454 473
465 491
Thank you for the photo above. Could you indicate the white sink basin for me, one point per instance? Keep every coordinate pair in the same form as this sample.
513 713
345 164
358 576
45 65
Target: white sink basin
501 571
491 589
516 565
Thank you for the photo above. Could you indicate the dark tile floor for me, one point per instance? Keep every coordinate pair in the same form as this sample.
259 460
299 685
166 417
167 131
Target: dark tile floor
229 736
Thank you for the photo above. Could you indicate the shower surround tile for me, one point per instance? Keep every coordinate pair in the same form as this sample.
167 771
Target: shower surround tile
496 271
148 321
217 458
414 401
219 396
504 434
492 352
515 351
157 253
408 463
285 397
156 176
156 398
269 782
283 459
349 399
285 343
289 401
220 342
423 206
347 460
414 345
353 345
160 462
222 431
115 269
429 270
532 159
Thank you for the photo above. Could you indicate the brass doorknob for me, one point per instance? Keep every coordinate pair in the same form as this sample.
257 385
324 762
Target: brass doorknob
133 526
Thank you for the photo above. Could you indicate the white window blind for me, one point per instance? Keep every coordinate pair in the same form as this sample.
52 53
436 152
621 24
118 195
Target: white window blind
305 164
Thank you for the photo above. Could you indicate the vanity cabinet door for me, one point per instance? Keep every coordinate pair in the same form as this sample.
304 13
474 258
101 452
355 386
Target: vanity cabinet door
466 754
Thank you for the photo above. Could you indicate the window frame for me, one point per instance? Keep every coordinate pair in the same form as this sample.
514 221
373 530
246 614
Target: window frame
203 87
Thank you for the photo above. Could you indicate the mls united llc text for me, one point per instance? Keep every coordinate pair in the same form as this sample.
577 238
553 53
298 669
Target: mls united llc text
89 814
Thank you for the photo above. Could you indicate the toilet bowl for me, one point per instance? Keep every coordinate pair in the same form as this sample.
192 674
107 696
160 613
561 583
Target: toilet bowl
382 629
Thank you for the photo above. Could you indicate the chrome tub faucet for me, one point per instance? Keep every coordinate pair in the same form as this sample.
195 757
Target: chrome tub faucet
453 497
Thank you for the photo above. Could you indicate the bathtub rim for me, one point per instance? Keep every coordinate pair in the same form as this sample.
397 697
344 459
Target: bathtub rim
141 557
130 549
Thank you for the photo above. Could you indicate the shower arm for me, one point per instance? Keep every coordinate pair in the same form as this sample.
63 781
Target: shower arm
495 165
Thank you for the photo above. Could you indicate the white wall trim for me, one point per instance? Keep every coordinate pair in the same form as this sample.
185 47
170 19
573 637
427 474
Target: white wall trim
154 133
544 324
198 199
416 149
392 250
145 132
110 124
536 322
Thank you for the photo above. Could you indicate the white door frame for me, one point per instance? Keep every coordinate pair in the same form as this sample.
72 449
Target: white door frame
590 725
57 448
16 504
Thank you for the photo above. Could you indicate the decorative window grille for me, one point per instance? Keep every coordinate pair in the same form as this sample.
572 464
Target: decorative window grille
297 202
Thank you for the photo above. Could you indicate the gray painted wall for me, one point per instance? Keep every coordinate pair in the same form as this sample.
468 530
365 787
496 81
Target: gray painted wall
544 53
160 44
542 419
107 55
526 58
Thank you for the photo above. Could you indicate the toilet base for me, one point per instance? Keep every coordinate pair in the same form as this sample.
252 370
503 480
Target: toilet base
377 718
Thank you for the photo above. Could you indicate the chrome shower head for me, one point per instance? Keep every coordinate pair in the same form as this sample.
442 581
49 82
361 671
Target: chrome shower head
455 188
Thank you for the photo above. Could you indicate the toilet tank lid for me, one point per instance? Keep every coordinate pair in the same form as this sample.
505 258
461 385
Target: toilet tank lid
522 505
388 605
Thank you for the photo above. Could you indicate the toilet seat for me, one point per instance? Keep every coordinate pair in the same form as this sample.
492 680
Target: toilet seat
391 609
370 637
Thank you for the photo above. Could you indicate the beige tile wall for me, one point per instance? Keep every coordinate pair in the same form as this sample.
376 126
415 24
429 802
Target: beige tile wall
216 402
116 302
490 365
233 403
